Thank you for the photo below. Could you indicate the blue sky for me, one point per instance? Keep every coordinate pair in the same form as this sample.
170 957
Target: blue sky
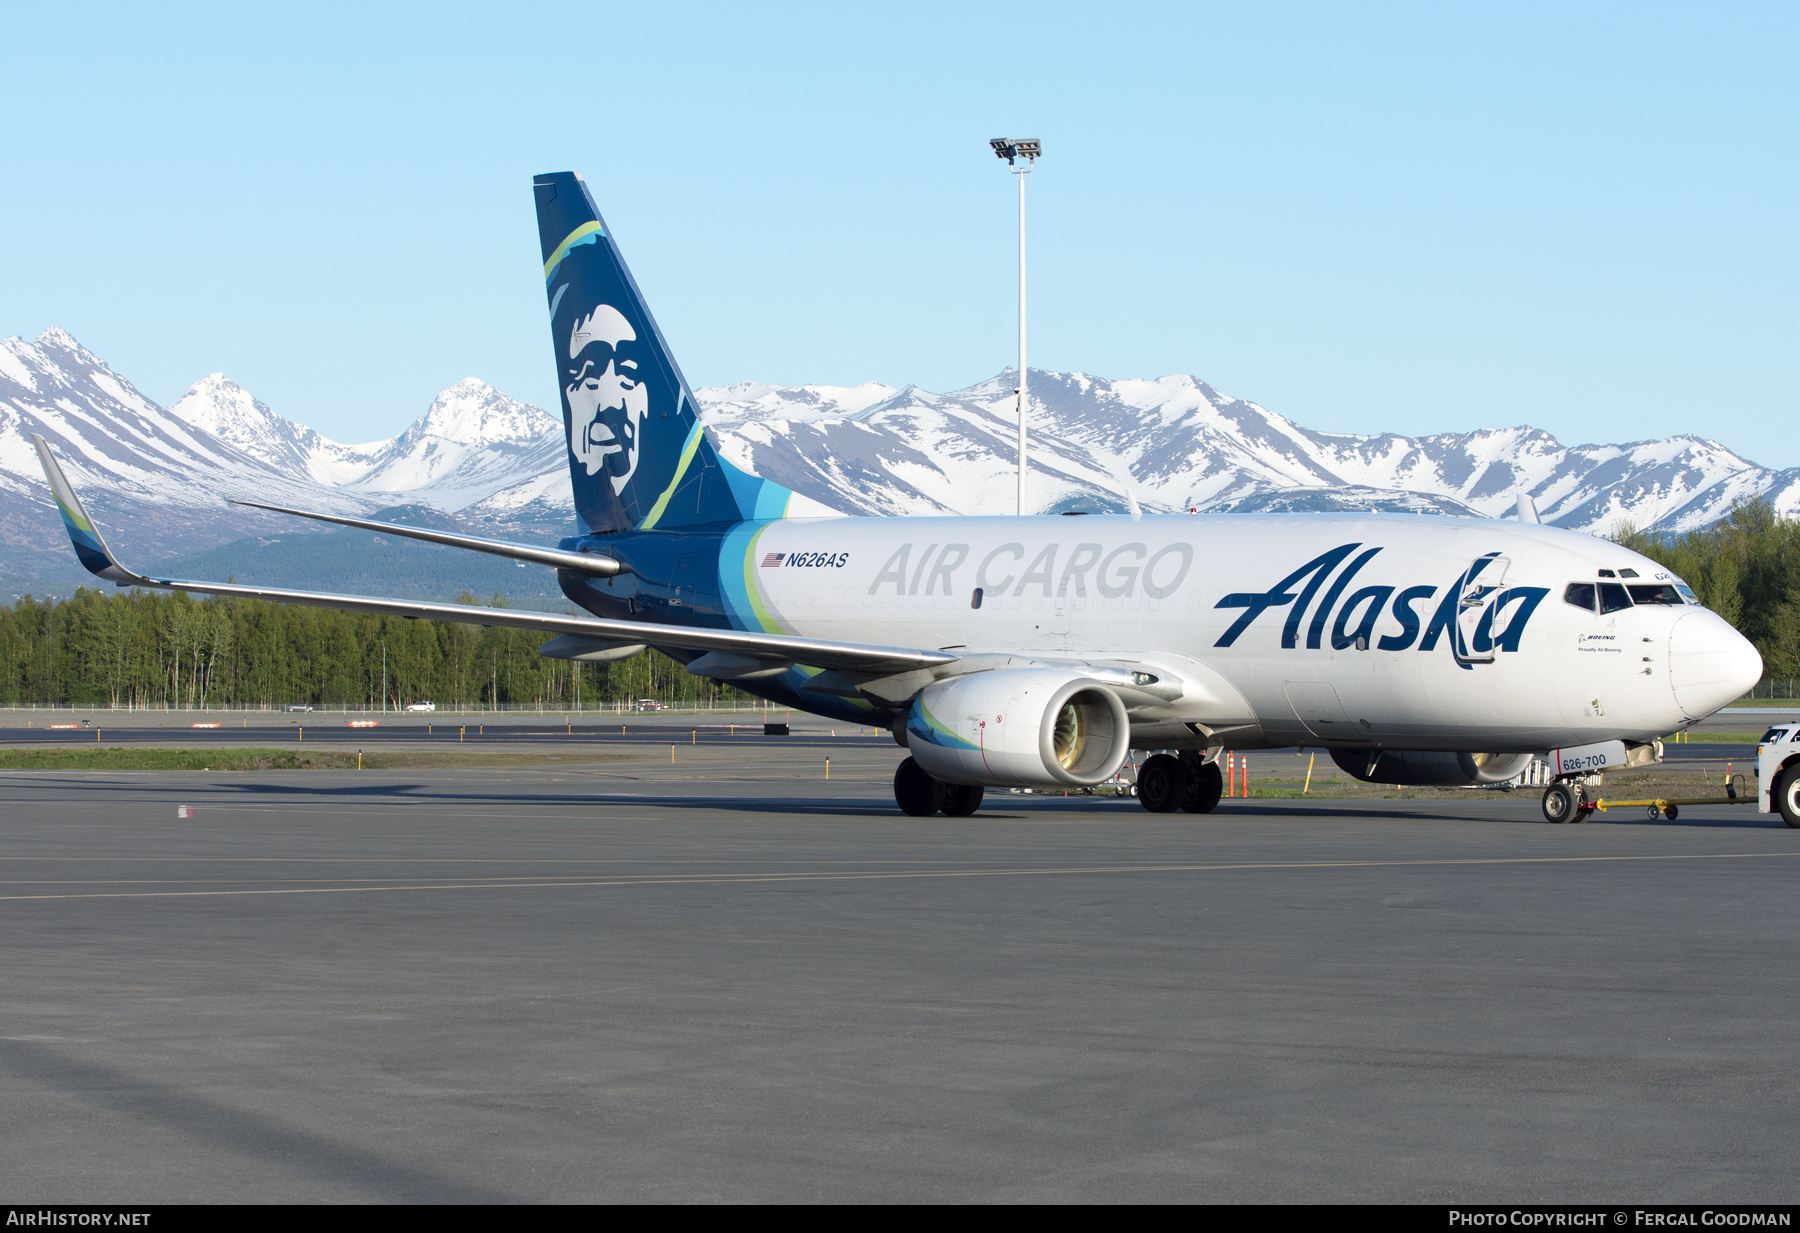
1368 218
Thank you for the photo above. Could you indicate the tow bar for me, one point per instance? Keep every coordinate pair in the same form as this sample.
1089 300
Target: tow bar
1671 809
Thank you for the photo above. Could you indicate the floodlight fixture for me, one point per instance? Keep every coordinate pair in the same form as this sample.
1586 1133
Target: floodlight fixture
1011 148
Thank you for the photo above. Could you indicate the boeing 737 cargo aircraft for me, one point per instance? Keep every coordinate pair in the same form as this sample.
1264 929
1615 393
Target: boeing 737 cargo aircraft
1036 651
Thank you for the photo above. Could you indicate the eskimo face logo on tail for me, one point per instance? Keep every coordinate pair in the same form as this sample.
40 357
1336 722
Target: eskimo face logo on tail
607 398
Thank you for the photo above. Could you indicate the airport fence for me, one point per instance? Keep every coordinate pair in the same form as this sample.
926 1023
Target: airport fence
1774 687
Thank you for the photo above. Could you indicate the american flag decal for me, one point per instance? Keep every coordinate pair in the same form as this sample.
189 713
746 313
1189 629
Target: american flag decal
772 560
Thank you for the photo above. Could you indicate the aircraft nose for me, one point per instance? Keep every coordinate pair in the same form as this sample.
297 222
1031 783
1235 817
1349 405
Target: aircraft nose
1710 663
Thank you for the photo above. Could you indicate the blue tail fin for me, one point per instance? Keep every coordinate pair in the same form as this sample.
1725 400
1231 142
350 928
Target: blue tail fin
638 457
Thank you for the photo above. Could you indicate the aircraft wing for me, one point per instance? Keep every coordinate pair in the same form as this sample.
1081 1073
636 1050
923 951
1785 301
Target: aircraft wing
91 549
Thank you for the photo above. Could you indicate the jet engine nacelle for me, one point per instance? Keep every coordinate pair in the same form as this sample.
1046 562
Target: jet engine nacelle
1420 769
1019 727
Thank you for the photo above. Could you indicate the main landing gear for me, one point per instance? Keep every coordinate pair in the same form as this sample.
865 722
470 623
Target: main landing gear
921 795
1167 783
1566 802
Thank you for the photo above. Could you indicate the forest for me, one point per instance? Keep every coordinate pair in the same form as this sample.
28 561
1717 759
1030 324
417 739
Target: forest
1746 568
139 648
136 649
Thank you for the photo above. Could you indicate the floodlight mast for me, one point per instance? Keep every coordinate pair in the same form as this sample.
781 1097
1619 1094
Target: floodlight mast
1012 149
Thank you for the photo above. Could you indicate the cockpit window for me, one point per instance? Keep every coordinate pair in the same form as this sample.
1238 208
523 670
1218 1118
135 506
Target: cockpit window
1686 593
1659 593
1613 598
1581 594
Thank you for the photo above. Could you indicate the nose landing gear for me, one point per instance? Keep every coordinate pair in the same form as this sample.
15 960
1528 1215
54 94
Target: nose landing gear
1566 802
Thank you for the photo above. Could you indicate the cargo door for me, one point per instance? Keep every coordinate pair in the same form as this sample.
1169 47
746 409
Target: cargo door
1317 706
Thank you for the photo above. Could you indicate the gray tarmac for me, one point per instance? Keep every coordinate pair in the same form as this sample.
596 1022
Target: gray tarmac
728 979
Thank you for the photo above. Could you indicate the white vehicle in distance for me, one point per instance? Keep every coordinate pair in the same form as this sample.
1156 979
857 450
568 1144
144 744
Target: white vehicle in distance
423 706
649 704
1778 772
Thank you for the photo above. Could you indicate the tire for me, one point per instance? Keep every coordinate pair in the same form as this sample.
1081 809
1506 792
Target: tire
1787 795
1672 812
1561 803
961 800
1162 784
1205 787
916 792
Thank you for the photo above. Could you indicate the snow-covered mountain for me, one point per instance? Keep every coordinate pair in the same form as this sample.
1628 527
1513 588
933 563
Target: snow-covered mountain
472 442
158 478
225 409
1179 444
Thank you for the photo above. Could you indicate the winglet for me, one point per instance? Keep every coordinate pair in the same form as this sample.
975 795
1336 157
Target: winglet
1527 510
83 534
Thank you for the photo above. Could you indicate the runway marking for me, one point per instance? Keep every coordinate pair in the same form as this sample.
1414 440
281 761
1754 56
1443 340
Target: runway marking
747 878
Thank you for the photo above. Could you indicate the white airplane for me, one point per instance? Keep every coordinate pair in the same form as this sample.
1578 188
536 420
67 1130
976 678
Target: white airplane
1037 651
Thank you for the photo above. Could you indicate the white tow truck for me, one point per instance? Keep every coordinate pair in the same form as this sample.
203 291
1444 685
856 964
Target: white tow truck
1778 772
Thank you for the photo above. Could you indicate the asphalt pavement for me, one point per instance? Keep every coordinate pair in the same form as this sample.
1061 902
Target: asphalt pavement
731 980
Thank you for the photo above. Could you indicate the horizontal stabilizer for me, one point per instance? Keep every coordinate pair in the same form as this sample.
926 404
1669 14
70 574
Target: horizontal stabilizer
556 558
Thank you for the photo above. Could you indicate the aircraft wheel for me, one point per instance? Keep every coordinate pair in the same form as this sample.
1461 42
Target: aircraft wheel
1561 804
1787 795
961 800
1162 784
916 792
1205 786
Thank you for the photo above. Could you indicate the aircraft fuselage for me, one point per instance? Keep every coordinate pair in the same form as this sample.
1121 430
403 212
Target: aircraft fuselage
1335 630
